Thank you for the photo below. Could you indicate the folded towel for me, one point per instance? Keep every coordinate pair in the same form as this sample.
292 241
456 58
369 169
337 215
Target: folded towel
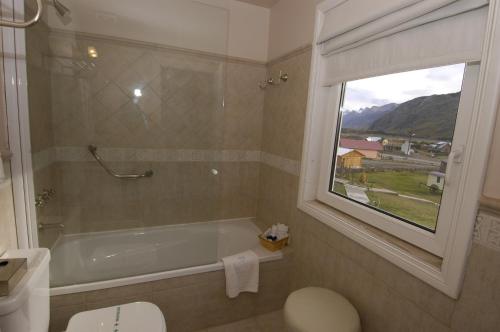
242 273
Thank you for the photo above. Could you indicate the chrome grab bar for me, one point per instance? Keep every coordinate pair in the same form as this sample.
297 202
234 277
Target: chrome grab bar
36 18
42 226
93 151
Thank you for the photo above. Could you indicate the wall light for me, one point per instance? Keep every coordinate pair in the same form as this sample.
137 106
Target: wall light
92 52
138 93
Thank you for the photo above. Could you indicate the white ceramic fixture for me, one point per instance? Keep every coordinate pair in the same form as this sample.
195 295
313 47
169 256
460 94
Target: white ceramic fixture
26 309
320 310
132 317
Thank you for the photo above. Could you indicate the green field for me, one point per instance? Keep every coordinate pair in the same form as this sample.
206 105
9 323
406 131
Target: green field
424 214
404 183
339 188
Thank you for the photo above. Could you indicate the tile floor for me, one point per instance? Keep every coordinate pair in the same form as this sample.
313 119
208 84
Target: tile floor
271 322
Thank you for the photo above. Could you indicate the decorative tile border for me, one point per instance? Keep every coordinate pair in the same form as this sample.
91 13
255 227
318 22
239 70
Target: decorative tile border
286 165
44 158
47 157
487 230
81 154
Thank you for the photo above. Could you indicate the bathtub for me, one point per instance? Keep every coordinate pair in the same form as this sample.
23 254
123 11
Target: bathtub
92 261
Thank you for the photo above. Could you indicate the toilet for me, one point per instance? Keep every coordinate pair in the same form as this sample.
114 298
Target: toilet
132 317
26 309
315 309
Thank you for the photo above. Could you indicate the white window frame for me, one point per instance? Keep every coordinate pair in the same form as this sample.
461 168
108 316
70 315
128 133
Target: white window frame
452 239
433 242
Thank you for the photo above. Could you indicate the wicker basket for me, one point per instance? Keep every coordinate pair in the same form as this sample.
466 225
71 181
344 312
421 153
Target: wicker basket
273 245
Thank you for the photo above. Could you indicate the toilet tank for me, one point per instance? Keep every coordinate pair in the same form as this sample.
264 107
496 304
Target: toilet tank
26 309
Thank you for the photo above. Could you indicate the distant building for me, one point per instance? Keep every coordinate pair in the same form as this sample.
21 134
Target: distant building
443 166
440 147
406 148
437 179
349 158
370 150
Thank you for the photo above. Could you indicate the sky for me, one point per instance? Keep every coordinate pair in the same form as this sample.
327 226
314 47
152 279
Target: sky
401 87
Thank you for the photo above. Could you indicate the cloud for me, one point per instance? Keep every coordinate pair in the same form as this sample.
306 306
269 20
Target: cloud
361 98
401 87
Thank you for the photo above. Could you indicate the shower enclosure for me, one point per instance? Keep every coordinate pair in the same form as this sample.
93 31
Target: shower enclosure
137 123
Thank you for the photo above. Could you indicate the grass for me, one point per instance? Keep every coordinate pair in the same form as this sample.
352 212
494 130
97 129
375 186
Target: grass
424 214
339 188
405 183
402 182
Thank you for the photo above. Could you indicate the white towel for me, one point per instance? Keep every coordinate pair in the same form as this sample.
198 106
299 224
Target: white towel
242 273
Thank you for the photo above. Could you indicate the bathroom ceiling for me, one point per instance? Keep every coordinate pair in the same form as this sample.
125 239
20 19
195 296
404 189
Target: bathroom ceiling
262 3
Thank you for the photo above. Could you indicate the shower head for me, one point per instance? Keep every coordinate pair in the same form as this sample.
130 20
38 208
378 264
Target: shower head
62 10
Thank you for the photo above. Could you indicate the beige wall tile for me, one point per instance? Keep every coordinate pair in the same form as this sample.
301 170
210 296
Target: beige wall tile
285 107
188 303
179 192
189 101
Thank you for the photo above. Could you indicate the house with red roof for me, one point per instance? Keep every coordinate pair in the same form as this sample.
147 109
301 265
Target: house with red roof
370 150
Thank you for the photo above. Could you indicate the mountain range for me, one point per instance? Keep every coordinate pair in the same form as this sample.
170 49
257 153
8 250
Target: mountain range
428 117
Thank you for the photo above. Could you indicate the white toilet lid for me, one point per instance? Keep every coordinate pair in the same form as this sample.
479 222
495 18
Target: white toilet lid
133 317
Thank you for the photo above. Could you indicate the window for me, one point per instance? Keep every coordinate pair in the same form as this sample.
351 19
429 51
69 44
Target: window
393 142
400 114
388 139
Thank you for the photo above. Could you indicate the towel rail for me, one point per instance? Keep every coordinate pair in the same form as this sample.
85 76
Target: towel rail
93 151
35 19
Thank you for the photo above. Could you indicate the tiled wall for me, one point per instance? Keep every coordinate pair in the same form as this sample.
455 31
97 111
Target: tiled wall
189 100
388 299
179 192
188 303
198 115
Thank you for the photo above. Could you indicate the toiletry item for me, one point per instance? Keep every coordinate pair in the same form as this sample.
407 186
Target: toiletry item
276 232
273 245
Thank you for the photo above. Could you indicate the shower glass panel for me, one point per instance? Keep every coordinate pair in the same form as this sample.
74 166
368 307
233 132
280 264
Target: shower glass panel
8 239
147 90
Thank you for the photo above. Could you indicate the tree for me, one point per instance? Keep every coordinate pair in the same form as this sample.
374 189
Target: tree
363 179
434 188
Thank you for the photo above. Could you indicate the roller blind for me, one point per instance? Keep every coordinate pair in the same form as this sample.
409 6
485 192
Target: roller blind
446 32
351 14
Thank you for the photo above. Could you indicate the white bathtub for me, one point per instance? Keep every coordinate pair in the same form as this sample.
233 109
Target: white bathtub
91 261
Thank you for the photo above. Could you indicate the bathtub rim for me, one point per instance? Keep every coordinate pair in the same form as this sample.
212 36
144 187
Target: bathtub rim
157 227
264 256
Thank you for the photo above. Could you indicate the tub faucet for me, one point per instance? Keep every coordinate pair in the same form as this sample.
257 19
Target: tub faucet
44 197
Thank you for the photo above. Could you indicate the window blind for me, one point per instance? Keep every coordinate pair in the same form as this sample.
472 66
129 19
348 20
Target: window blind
446 32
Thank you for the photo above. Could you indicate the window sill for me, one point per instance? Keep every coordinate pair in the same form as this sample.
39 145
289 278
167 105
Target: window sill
410 258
